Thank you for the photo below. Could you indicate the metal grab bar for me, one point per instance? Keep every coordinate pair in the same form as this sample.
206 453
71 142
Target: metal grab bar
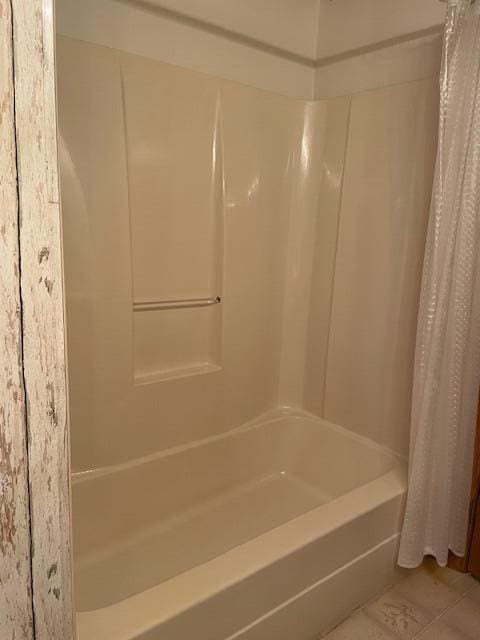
158 305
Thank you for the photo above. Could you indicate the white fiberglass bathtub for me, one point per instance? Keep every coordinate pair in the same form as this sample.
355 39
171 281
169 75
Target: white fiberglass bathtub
274 530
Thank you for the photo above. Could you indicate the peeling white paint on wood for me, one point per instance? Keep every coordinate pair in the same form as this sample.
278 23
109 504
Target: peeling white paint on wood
50 104
43 321
15 576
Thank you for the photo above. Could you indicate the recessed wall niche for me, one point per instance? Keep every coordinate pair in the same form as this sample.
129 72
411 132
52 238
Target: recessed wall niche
175 172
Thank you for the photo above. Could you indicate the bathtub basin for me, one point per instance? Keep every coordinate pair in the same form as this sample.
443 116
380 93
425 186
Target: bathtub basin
276 529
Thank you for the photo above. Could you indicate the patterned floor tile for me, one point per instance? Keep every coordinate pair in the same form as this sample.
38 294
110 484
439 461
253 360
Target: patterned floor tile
404 618
360 627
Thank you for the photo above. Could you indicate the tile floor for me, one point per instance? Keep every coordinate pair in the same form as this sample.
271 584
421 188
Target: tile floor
429 604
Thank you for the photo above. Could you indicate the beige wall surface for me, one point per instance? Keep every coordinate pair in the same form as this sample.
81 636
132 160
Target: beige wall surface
113 418
173 124
311 242
370 239
415 59
275 61
346 25
379 253
287 24
277 45
307 218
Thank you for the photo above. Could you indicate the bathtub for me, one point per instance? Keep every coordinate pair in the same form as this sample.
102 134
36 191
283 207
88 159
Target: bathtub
277 529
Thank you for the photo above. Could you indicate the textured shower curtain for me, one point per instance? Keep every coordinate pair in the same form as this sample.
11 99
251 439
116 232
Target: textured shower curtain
447 359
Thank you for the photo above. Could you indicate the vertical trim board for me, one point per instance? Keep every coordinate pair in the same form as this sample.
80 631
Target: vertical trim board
15 576
41 285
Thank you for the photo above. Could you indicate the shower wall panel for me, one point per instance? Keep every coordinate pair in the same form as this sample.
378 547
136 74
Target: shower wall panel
311 240
96 241
307 218
330 180
382 215
171 129
242 243
176 186
383 218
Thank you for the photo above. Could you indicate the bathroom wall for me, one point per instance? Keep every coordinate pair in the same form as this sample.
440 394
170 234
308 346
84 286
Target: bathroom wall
269 46
370 241
349 25
176 202
311 239
278 45
306 217
415 59
285 24
117 412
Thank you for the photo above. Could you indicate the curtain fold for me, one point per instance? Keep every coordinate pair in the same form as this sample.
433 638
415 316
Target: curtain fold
447 360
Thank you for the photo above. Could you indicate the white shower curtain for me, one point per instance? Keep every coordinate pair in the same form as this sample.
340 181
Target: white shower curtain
447 360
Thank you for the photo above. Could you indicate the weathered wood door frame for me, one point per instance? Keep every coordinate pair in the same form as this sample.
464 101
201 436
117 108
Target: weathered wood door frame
473 554
471 561
16 615
35 549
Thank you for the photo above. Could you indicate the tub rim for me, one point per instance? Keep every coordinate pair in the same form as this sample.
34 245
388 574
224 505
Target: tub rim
272 415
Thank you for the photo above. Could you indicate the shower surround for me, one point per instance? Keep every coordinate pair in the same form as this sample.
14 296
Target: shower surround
307 219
